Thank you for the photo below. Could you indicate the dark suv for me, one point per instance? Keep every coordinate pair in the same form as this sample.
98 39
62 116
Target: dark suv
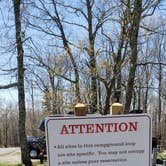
37 148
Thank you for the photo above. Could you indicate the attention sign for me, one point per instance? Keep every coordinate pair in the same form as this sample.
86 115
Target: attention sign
99 140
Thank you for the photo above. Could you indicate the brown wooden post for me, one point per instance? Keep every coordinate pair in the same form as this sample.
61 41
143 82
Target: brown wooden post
80 109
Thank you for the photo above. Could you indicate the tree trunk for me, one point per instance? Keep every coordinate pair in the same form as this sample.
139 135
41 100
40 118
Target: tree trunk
6 130
99 97
134 99
77 83
92 58
133 37
107 101
159 101
68 50
146 100
139 96
21 95
53 94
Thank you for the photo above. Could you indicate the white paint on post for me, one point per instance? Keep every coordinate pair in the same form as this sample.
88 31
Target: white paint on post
99 140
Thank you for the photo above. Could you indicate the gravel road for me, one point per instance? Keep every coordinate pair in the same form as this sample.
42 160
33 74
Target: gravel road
10 155
13 156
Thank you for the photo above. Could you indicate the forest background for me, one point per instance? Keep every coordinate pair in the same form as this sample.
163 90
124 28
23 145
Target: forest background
55 54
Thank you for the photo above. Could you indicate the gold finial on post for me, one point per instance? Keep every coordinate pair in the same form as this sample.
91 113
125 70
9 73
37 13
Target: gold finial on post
80 109
116 109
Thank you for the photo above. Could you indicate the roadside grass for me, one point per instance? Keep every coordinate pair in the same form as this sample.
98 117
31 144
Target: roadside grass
5 164
34 164
37 164
161 155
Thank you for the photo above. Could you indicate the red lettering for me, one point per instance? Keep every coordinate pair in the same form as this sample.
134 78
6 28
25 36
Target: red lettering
89 128
115 125
72 128
133 126
99 128
81 126
64 130
108 125
123 127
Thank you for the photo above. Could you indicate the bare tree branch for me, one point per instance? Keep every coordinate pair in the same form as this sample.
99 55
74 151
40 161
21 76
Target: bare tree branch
75 9
9 85
151 63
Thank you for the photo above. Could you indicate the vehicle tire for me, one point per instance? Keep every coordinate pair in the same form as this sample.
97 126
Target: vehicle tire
33 154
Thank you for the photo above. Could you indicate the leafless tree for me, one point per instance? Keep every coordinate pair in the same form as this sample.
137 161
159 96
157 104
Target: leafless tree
21 93
137 10
58 32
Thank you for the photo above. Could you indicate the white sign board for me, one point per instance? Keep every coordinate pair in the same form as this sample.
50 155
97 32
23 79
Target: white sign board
102 140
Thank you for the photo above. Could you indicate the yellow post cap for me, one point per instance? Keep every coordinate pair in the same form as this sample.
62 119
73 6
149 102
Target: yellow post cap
80 105
116 109
80 109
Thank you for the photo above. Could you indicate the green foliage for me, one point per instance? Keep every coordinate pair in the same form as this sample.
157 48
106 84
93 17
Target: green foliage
162 155
4 164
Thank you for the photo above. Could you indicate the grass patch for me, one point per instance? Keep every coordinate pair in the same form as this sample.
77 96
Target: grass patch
4 164
34 164
37 163
161 156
